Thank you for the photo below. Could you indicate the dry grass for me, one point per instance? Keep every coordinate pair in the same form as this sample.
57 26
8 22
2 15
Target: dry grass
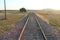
53 17
11 19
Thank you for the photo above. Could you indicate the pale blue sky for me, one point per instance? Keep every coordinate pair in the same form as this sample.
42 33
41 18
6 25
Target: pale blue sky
31 4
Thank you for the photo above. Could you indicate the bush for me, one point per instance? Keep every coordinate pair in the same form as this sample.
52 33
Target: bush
22 10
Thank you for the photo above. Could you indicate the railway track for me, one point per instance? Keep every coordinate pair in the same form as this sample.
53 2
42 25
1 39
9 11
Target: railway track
32 30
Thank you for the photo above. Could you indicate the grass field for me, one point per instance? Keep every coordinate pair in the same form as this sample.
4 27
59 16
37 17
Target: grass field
52 18
11 19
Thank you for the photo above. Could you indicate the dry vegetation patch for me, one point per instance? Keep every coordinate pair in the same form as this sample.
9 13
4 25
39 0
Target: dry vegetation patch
52 17
11 19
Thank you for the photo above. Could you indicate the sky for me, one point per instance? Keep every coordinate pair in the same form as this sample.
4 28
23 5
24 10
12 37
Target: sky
30 4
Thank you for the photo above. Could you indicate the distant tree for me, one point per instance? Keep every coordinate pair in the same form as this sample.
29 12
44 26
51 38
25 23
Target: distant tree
22 10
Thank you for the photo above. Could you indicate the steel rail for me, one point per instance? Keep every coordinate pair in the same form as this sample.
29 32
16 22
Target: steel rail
45 38
20 37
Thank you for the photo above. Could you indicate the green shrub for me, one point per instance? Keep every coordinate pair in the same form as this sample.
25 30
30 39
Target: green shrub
22 10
